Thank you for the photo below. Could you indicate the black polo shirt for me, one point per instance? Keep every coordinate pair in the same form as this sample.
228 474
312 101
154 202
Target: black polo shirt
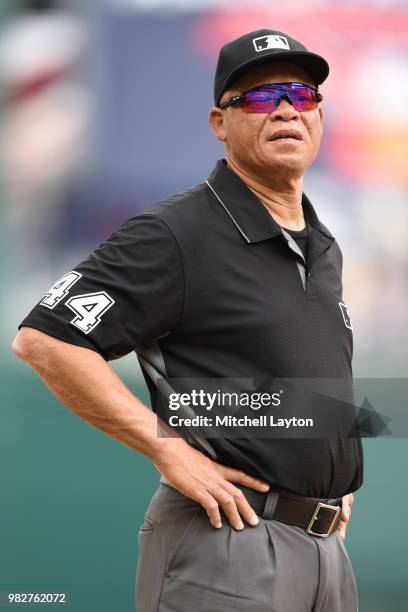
205 284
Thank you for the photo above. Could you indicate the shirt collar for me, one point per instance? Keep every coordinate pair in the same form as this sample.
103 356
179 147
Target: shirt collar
247 212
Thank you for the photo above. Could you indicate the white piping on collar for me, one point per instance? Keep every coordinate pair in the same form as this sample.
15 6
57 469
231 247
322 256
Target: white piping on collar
225 208
295 247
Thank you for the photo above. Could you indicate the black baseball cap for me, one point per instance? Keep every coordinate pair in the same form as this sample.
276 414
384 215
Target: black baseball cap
262 46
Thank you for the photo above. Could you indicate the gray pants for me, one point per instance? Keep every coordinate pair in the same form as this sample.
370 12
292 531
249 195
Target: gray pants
185 565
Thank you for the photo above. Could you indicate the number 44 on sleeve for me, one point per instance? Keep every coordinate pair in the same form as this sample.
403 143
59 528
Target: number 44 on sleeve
88 307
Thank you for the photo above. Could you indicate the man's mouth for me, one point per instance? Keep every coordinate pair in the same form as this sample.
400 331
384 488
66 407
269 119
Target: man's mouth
286 135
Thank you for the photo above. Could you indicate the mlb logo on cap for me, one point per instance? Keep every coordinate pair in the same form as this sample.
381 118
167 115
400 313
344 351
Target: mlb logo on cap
272 41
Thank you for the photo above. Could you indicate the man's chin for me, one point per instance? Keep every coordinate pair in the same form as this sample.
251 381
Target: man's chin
286 163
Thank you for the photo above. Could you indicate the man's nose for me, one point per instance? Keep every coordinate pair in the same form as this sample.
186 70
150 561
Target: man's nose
285 109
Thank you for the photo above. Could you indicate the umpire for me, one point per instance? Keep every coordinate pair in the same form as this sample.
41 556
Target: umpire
236 277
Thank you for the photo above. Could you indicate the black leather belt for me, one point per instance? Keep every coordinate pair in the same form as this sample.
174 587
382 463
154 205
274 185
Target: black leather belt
319 517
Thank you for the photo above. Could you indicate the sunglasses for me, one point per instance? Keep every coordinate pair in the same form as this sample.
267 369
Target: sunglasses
266 98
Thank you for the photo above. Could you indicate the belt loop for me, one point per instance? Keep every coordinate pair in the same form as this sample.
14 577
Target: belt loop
270 504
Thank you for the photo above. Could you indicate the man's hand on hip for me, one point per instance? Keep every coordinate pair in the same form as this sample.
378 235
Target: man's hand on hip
207 482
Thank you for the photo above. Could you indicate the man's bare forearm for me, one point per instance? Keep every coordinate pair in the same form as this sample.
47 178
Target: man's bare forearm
84 382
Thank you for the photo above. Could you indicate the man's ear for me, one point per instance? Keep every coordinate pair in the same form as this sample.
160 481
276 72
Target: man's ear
216 119
321 113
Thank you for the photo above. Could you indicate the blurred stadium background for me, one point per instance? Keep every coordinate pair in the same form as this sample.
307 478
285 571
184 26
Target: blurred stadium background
104 109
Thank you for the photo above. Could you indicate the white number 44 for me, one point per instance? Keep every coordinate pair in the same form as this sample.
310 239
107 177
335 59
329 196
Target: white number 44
88 307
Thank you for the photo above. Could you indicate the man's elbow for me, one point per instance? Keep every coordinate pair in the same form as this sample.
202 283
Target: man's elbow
28 343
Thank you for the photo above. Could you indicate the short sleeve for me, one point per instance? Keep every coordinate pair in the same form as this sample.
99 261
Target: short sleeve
127 293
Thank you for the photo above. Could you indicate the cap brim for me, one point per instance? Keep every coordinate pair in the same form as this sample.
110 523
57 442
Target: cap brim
314 64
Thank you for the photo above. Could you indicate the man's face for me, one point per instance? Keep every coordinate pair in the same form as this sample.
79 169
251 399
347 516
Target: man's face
248 136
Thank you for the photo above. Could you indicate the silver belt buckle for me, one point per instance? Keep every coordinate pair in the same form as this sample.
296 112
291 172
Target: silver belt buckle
335 509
